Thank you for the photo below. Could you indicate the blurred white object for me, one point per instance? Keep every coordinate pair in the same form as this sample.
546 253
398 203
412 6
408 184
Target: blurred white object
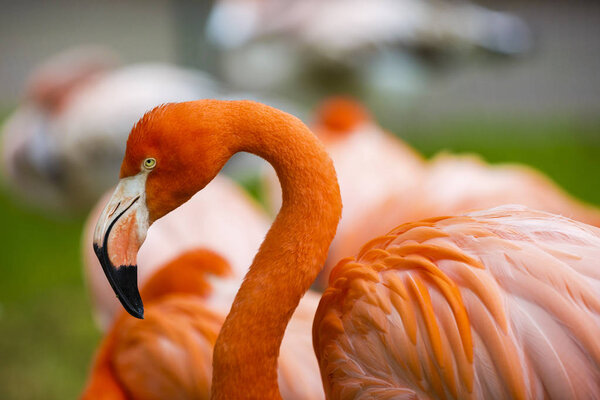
62 148
350 32
338 28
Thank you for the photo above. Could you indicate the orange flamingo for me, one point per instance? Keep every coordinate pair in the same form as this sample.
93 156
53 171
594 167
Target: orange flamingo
169 355
376 170
500 303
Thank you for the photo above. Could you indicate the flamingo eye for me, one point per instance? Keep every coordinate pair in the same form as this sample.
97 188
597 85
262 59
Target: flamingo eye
149 163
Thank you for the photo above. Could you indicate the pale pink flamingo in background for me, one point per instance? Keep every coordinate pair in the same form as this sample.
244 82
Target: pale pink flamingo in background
376 170
169 354
63 145
458 183
375 44
499 303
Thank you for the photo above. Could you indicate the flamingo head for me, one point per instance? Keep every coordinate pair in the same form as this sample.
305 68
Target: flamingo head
340 116
172 153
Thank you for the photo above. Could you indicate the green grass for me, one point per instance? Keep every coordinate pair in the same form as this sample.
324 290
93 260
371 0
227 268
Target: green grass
47 336
46 332
567 151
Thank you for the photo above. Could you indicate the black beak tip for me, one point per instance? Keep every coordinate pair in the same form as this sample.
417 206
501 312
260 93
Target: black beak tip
137 312
123 280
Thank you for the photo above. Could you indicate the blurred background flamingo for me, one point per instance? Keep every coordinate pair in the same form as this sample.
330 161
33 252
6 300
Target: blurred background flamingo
375 48
62 148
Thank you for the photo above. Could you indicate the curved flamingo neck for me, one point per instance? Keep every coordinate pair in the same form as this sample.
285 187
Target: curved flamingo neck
291 256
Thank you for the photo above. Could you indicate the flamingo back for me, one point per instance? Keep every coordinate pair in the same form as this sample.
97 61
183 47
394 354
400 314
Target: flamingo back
453 184
500 303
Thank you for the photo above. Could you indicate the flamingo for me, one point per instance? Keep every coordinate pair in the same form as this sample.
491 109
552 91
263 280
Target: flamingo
169 355
458 183
488 304
375 171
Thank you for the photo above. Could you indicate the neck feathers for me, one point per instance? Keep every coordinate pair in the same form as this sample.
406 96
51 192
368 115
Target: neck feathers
293 253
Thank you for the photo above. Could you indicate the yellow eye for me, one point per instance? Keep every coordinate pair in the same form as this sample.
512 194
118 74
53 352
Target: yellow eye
149 163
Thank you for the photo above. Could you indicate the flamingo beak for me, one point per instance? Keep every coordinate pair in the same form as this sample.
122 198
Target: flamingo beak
119 234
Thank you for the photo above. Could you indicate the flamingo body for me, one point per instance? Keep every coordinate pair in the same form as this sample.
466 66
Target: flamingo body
467 182
500 303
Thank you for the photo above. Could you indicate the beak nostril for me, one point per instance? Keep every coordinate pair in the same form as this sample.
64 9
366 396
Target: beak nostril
134 200
110 214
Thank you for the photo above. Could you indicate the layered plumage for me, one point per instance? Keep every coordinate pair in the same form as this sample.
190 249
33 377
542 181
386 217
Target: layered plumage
501 303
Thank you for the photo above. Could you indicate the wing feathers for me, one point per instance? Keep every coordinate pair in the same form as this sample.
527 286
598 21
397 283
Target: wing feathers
500 303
